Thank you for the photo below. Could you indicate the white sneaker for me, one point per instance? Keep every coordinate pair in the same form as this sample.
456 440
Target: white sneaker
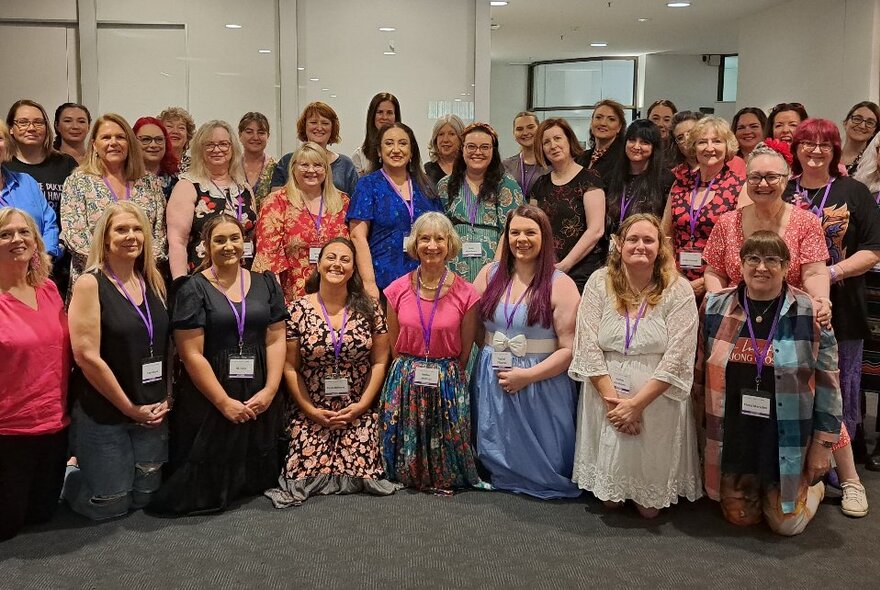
855 501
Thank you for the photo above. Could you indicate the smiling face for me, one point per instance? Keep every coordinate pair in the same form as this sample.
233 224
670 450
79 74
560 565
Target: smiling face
556 147
748 132
640 245
177 133
448 143
254 138
17 242
111 144
711 149
680 135
309 175
661 115
385 114
218 149
815 155
432 246
227 244
524 131
763 169
861 125
638 150
73 125
477 151
605 123
784 125
524 239
152 144
125 237
29 126
319 129
763 275
336 264
394 149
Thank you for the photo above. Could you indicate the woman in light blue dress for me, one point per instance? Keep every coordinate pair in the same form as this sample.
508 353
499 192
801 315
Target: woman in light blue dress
524 402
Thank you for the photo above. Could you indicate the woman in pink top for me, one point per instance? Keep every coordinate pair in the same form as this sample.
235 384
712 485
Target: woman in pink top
425 409
35 364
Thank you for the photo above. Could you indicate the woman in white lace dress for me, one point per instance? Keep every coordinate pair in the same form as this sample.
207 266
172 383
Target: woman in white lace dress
634 352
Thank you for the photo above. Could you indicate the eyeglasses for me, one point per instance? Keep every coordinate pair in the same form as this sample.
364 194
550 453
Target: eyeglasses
305 167
771 178
809 146
147 140
25 123
222 146
858 121
471 148
680 138
770 262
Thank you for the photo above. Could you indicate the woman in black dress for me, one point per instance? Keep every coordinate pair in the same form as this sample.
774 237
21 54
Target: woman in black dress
229 328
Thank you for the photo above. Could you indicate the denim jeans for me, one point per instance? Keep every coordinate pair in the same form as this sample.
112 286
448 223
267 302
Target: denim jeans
119 466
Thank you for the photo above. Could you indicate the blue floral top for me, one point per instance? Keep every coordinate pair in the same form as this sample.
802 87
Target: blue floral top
376 201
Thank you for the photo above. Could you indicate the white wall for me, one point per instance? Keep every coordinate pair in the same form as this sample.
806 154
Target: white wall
824 54
508 96
686 81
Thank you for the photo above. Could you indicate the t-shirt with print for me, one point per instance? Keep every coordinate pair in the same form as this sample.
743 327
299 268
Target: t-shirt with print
50 174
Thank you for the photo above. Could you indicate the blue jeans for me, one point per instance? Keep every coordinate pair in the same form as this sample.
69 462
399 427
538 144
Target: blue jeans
119 466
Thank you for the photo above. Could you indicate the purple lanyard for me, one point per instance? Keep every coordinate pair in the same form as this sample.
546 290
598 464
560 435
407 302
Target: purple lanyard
471 203
509 318
624 205
820 210
877 198
228 197
148 318
317 220
262 167
239 318
426 329
113 193
631 335
411 204
694 211
761 354
522 174
337 340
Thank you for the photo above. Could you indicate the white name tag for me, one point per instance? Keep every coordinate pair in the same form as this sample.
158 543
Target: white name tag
472 249
335 386
248 249
621 385
314 253
502 360
690 259
755 405
405 238
151 370
241 366
426 376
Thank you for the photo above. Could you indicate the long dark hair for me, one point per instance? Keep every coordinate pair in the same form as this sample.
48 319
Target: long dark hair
414 168
494 173
68 105
540 310
370 146
357 300
781 108
648 186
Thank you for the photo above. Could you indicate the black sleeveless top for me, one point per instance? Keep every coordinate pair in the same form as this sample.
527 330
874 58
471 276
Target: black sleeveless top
124 345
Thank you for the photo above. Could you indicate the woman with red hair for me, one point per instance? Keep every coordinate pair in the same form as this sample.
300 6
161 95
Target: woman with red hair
851 221
157 154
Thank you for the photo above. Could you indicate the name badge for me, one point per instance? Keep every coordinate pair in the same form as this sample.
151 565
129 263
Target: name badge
314 254
241 366
690 259
151 370
472 249
426 375
755 403
502 360
335 385
405 238
248 249
621 385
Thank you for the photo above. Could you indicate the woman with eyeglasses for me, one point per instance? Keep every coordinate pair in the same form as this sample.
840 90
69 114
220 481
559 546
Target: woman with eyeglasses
479 194
72 121
215 183
860 126
159 158
851 222
253 131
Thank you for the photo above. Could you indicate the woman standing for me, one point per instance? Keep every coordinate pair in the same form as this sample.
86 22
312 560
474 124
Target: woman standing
253 132
680 162
634 350
697 201
384 207
181 128
783 119
525 402
334 446
119 332
523 166
35 364
229 329
214 184
607 126
860 126
573 198
444 147
384 110
72 121
296 221
113 171
318 123
159 159
748 128
479 194
661 113
425 407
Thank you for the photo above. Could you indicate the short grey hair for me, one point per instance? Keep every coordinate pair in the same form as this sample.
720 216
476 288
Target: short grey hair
433 220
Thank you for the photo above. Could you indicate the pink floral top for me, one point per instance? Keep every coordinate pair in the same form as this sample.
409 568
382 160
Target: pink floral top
803 236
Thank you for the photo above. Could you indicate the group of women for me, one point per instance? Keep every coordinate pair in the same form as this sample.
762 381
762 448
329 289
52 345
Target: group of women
361 324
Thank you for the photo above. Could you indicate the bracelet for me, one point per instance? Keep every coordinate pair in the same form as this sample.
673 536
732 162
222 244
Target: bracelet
833 271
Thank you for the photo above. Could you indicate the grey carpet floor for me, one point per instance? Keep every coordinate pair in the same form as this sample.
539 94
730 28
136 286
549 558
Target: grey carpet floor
472 540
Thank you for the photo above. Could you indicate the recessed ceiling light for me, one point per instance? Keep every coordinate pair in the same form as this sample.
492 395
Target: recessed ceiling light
233 26
387 29
599 44
332 96
325 90
678 4
389 53
463 94
457 100
264 51
300 68
643 20
313 79
498 3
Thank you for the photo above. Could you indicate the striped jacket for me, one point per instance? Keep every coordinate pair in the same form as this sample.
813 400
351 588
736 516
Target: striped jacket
808 402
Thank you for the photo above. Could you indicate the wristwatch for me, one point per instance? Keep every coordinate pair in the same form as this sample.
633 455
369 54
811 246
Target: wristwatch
825 443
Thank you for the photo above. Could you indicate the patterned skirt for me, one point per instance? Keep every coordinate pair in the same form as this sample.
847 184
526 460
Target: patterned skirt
425 432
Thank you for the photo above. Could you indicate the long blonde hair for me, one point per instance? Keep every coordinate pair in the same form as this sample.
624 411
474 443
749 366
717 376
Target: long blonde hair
198 169
145 263
134 163
314 154
39 265
665 273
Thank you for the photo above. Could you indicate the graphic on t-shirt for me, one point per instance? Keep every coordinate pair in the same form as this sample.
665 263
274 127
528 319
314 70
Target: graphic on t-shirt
743 352
835 221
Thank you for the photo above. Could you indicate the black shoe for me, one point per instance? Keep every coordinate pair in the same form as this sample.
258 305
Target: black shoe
872 463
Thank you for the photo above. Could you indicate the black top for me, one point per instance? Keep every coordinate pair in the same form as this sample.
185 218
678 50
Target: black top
124 346
851 220
641 197
751 444
606 161
434 172
50 174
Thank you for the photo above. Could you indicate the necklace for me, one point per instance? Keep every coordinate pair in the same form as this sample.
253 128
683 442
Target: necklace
426 287
760 317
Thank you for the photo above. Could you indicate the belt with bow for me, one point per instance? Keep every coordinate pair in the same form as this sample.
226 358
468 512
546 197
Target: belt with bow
519 345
